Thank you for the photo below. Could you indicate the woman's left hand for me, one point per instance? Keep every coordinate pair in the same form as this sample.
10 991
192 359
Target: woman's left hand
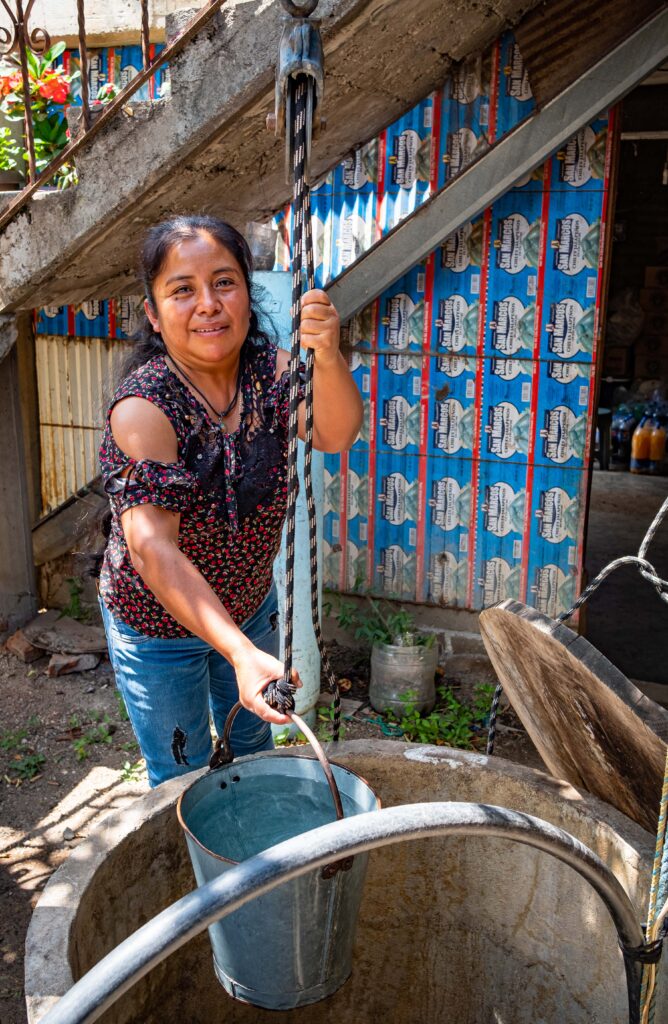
320 329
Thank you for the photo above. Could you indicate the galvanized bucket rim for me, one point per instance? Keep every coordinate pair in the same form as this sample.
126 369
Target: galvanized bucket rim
273 756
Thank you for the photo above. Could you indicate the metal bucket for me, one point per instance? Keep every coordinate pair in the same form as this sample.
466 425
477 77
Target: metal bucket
294 945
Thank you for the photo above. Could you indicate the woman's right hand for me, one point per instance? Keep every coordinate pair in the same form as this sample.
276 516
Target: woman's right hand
255 670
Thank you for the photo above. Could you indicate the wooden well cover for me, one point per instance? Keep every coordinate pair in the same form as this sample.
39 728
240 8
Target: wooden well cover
589 723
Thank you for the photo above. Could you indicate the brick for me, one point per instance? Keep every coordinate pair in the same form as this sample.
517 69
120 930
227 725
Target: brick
63 664
21 648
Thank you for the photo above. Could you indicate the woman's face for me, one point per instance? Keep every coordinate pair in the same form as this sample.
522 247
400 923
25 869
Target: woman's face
202 306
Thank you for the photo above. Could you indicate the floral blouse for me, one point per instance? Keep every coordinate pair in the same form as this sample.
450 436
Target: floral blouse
230 491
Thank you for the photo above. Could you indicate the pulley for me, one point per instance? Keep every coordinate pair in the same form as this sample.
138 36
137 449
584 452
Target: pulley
300 53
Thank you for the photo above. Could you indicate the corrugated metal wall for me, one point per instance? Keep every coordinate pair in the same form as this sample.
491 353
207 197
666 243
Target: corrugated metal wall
74 375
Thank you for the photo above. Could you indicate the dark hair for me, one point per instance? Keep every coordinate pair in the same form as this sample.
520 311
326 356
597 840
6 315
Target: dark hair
157 244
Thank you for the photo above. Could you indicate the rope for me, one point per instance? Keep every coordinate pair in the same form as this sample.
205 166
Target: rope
281 694
657 899
647 571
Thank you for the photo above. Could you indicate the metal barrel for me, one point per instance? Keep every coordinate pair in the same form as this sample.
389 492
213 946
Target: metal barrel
294 945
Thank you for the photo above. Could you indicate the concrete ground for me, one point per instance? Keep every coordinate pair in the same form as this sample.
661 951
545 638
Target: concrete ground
625 619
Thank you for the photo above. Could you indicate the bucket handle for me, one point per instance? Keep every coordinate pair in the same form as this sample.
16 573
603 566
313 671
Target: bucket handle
223 754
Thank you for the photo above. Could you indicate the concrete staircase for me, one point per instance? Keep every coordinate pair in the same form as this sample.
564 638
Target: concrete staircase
207 148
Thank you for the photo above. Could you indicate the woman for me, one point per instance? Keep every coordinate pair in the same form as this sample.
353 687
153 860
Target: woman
194 461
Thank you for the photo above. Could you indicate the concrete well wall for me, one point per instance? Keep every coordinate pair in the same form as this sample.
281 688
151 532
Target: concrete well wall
473 931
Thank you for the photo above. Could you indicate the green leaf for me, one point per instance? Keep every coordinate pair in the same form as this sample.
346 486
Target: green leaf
53 53
33 63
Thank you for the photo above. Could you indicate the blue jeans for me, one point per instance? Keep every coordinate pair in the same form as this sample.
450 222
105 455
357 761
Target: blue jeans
170 687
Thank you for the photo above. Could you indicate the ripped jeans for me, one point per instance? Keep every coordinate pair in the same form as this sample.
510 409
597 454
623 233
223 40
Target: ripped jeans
170 687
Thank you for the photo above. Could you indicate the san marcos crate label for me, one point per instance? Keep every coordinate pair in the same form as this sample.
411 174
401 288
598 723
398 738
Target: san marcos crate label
408 150
557 508
455 307
506 409
448 514
398 407
322 227
552 588
573 241
501 510
452 405
52 320
395 567
580 164
324 186
569 319
91 319
514 246
496 578
447 576
359 331
125 315
464 116
98 71
332 491
360 368
515 99
123 63
397 499
358 172
511 324
353 227
358 489
401 321
332 555
561 418
405 180
447 528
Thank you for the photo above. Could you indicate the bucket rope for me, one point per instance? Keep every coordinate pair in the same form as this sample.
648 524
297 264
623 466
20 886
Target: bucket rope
647 571
280 695
657 908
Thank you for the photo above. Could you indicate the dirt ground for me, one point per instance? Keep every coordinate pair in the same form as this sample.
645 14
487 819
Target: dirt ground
68 757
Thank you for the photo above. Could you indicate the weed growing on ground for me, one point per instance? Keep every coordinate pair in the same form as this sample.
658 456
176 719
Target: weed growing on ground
482 702
11 740
29 766
326 724
451 723
375 625
100 732
284 739
133 771
74 608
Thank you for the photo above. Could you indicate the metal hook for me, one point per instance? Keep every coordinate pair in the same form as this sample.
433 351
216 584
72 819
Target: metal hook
298 11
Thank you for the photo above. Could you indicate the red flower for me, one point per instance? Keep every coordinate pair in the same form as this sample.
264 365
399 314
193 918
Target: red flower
10 83
54 89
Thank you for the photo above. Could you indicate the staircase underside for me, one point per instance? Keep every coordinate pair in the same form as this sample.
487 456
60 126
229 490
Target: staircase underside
207 149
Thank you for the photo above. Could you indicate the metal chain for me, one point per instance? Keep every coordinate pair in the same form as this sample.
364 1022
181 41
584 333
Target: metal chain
647 571
280 694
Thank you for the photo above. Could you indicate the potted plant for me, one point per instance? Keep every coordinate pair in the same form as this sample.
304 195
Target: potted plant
403 658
